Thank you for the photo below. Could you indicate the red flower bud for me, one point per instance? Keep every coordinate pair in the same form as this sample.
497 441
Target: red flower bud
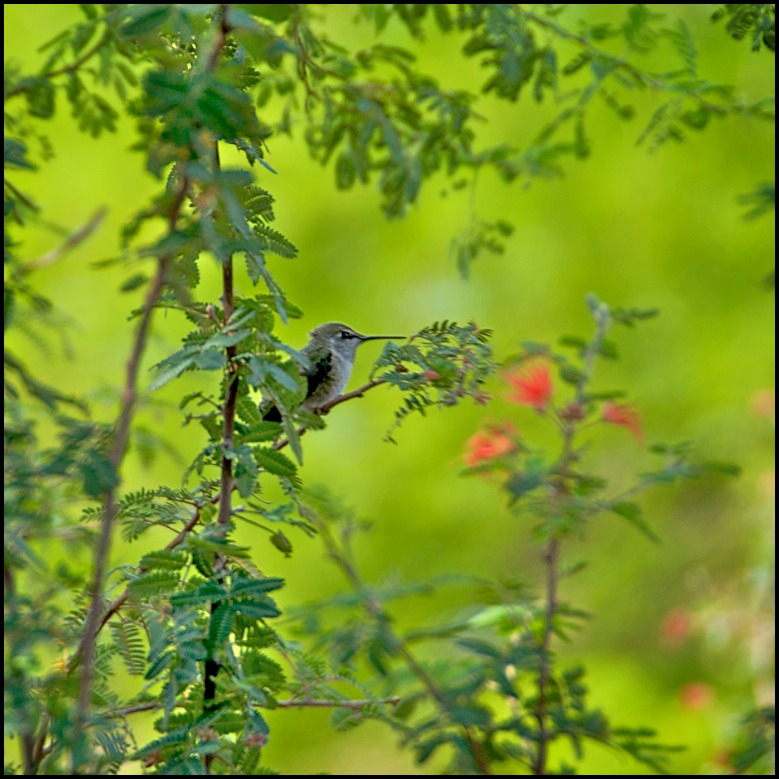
624 415
490 445
573 411
532 384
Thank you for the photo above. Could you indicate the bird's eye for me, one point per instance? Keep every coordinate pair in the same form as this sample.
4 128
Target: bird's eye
345 334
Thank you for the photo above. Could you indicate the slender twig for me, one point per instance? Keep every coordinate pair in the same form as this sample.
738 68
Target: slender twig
117 604
344 704
303 697
71 241
551 554
41 750
551 557
376 610
221 37
619 63
291 703
19 195
135 709
28 735
304 62
116 455
71 68
228 423
211 665
358 393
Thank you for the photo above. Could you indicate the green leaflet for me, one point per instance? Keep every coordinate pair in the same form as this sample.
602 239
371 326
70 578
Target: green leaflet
220 624
275 462
164 560
632 512
249 587
154 583
130 644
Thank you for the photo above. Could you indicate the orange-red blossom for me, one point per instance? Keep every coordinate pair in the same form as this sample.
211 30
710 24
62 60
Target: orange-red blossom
532 385
624 415
494 442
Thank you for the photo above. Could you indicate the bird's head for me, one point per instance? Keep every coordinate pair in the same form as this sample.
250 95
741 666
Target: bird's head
342 339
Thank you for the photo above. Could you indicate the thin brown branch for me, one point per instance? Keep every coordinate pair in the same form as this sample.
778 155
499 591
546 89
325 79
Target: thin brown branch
551 553
228 422
551 558
20 89
116 455
41 750
620 63
117 604
28 730
19 195
211 665
223 30
137 708
79 235
378 612
293 703
358 393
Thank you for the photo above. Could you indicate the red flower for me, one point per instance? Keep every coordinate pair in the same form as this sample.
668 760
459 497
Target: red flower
533 385
676 627
696 696
624 415
764 403
489 445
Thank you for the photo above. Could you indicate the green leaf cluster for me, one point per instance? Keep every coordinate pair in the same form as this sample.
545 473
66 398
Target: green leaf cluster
439 366
195 621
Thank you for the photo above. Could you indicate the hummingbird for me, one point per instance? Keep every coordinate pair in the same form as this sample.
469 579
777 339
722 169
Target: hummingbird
330 352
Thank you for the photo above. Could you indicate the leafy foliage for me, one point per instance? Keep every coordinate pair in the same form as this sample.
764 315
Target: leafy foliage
503 699
195 621
754 20
439 365
756 750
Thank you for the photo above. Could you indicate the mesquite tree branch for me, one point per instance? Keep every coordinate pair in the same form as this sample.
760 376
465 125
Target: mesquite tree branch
551 553
358 393
116 456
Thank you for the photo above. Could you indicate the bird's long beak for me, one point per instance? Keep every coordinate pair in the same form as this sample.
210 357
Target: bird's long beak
382 337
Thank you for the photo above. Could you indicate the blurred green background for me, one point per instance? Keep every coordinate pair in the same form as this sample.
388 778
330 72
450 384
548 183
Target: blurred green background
681 637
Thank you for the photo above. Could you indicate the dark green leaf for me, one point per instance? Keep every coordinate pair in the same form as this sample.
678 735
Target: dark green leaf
164 560
171 372
157 666
282 543
275 462
98 473
135 281
259 608
520 483
220 625
274 12
632 512
145 18
15 154
247 587
478 716
148 585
